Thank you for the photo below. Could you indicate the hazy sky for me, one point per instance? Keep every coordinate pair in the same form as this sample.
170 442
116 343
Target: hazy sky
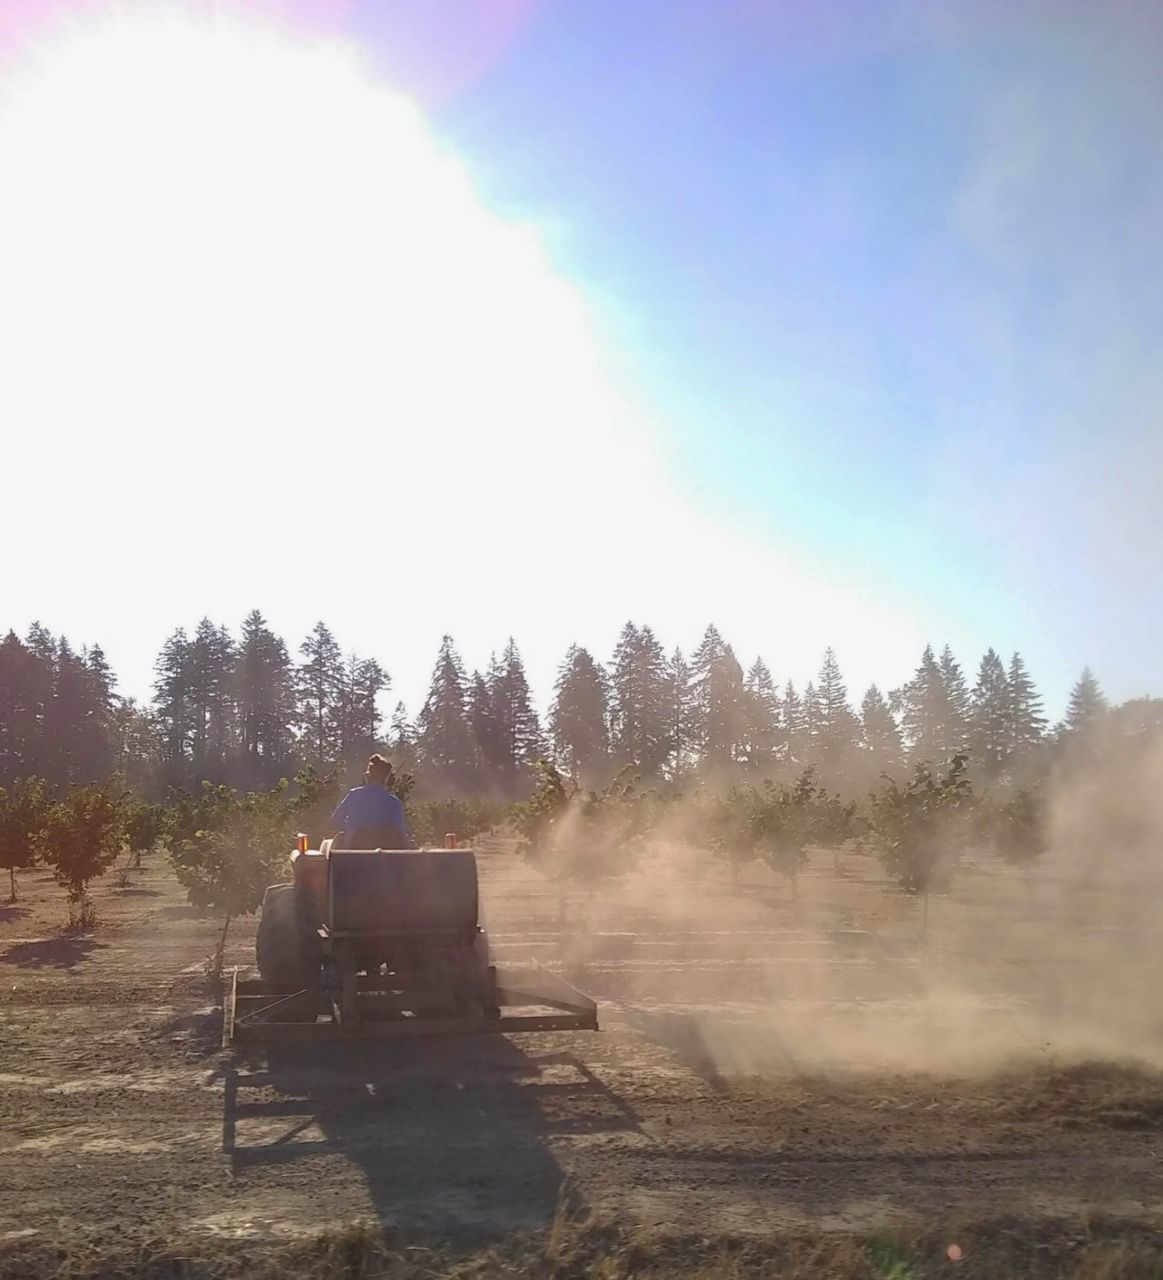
832 323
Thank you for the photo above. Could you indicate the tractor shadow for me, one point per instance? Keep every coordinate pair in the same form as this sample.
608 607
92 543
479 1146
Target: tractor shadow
448 1136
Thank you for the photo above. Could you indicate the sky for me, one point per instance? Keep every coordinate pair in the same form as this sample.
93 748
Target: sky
833 324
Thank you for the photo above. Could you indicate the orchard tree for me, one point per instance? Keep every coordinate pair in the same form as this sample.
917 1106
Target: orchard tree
921 830
83 835
227 868
24 810
145 825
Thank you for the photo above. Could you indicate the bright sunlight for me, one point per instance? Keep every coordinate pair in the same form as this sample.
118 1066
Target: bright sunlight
226 245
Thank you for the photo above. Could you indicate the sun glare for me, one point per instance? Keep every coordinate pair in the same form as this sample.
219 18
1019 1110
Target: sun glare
254 314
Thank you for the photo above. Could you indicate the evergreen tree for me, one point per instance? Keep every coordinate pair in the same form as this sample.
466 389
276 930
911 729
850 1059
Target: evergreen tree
18 723
359 715
761 717
134 742
172 710
681 714
838 728
717 681
402 739
444 740
1027 724
811 722
640 703
319 681
518 728
209 682
794 734
925 713
578 717
1085 710
264 696
484 725
957 705
989 731
880 735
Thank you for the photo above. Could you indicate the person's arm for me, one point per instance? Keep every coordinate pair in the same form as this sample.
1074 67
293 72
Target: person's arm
339 817
401 823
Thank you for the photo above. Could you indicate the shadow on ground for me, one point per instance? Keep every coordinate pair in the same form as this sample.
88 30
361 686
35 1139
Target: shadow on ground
63 952
453 1135
9 912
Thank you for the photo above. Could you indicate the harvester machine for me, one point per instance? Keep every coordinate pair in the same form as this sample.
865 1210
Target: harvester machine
387 943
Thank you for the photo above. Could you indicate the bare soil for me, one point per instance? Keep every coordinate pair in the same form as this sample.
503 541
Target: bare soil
766 1067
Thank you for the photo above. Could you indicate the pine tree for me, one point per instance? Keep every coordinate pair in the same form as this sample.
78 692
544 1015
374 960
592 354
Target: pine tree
1084 711
172 708
717 681
838 727
134 744
578 717
811 722
264 697
210 666
444 741
519 730
957 705
761 717
795 730
640 720
989 732
681 715
1027 724
925 714
319 681
18 725
359 715
402 740
880 735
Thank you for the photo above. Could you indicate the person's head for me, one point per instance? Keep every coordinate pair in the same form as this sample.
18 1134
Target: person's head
379 771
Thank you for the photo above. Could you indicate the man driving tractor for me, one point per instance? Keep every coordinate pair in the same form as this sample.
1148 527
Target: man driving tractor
372 816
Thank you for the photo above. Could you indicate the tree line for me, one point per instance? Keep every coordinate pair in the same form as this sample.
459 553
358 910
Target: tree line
240 710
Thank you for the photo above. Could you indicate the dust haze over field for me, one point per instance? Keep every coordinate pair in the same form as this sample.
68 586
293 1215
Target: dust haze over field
1056 963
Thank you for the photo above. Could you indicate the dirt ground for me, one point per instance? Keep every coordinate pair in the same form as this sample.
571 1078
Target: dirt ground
764 1065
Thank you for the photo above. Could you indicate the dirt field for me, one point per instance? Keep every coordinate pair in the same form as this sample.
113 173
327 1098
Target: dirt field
765 1067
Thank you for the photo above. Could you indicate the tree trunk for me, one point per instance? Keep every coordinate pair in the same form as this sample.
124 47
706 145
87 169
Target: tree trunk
925 915
220 951
12 879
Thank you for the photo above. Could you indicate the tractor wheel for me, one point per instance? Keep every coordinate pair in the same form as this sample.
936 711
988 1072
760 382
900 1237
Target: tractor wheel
287 947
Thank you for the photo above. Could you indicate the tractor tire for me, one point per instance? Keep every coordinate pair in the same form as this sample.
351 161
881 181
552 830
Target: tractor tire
287 948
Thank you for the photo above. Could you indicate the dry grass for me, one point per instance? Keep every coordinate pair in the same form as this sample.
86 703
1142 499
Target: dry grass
1007 1250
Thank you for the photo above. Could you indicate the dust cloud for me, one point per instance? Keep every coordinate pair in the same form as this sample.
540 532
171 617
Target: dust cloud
1055 964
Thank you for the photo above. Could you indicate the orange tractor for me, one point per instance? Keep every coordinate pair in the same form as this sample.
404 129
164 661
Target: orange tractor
381 943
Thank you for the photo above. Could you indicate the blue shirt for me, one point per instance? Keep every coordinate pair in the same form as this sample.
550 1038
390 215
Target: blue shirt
370 806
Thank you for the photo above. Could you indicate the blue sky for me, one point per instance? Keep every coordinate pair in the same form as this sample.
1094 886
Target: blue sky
854 248
872 310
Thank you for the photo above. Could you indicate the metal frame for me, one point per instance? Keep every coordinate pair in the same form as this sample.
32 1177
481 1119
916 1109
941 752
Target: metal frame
251 1010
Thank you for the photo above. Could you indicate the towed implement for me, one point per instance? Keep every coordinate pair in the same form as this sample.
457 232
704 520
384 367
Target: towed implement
382 944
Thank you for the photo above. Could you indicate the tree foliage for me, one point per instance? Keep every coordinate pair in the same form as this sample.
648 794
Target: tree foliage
24 808
921 830
83 834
